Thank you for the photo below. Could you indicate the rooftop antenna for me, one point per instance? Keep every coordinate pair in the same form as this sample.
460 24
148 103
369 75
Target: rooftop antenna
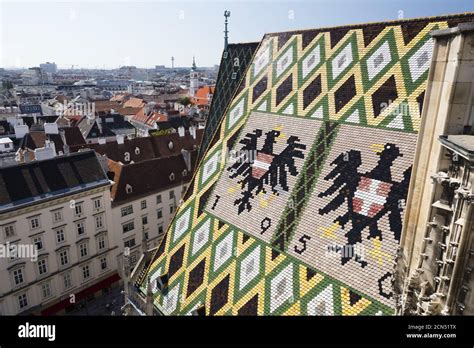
226 32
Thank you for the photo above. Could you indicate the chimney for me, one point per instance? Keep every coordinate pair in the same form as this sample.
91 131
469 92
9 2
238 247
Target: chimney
51 128
21 130
181 131
119 138
44 153
192 131
66 149
99 125
187 159
50 145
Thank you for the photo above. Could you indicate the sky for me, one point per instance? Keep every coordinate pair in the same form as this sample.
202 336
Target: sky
110 34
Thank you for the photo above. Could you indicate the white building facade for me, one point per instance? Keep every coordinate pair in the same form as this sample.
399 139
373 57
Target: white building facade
75 254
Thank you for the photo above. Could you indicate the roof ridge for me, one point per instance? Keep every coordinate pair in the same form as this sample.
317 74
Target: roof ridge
360 25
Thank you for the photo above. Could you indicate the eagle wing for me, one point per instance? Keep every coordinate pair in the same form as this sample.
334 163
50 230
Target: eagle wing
243 163
277 173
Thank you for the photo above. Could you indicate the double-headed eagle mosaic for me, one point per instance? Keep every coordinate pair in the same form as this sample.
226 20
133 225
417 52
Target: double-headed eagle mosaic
369 196
265 167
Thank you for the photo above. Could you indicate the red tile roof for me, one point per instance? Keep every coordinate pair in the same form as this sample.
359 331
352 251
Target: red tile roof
134 103
201 96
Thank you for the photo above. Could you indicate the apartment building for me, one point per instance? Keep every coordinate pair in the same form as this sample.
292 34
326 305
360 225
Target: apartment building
145 196
59 210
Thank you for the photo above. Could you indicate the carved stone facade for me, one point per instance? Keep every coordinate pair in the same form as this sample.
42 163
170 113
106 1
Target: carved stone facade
434 266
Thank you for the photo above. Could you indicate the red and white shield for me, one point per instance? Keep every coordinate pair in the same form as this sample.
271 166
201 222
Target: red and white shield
261 164
370 196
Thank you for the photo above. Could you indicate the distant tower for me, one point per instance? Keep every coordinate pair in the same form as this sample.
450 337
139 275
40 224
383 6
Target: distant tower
193 79
172 62
226 32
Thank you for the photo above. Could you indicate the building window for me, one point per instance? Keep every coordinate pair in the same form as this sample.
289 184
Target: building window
101 242
159 213
127 227
86 273
34 223
129 243
103 263
22 301
67 281
18 276
80 228
57 216
127 210
171 208
78 209
143 204
46 290
9 230
42 268
64 258
133 259
158 199
60 236
145 220
83 250
97 203
38 243
14 252
99 222
160 229
171 194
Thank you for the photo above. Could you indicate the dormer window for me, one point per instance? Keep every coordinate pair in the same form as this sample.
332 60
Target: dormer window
171 177
137 150
128 188
185 172
170 145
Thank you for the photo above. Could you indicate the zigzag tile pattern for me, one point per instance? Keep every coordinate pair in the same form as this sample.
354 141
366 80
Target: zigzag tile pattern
297 206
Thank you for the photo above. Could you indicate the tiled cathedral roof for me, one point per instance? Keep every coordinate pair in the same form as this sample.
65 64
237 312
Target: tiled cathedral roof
305 218
233 65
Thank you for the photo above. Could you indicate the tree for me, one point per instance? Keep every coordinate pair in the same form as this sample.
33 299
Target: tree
185 101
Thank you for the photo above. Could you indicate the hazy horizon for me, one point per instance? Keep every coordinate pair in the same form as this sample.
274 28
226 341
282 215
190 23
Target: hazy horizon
108 34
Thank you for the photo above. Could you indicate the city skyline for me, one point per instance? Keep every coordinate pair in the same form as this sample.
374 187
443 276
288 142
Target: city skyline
145 34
